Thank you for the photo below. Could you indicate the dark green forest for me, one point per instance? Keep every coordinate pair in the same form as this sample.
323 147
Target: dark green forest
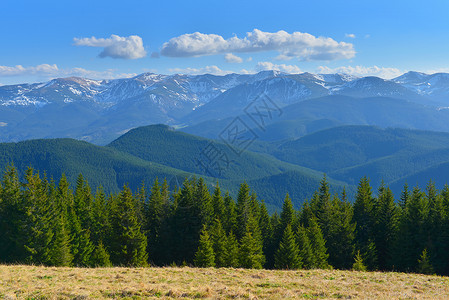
48 223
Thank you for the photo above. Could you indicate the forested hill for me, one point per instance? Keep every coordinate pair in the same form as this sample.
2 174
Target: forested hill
148 152
344 153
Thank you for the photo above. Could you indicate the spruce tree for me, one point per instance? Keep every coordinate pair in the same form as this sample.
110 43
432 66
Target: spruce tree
364 219
218 239
154 214
205 256
186 224
218 204
100 256
318 245
436 229
251 253
100 213
12 216
83 201
424 265
60 253
203 202
267 232
412 235
405 196
243 209
231 254
340 234
38 231
287 255
306 254
358 263
230 219
129 246
286 218
386 228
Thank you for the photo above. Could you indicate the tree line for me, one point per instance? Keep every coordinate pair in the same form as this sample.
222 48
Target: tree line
46 222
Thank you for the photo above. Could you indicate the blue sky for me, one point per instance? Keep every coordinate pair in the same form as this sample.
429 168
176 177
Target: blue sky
111 39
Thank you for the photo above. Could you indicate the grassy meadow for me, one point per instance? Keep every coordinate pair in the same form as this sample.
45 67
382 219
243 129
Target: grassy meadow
34 282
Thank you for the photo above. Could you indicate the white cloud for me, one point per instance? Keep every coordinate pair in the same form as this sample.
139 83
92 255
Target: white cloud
130 47
299 45
231 58
382 72
350 35
20 70
198 71
47 71
265 65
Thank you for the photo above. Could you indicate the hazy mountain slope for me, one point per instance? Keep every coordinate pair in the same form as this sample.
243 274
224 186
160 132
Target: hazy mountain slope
311 115
437 173
347 153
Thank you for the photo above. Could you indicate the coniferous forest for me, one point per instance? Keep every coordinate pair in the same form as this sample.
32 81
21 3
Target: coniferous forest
47 222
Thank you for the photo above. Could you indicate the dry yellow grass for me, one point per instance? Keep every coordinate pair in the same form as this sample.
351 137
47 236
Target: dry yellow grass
32 282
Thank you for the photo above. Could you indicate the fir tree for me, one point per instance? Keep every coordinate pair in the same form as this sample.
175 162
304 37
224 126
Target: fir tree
100 257
218 204
203 202
266 230
129 246
340 234
38 232
318 245
186 225
424 265
243 209
364 219
306 255
436 229
60 246
386 227
205 256
287 255
218 239
231 254
230 219
412 235
12 215
154 215
251 253
358 263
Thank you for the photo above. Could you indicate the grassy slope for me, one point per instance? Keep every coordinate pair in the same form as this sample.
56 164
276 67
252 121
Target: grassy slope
31 282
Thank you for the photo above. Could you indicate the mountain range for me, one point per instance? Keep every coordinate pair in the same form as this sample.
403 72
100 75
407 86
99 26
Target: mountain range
279 132
99 111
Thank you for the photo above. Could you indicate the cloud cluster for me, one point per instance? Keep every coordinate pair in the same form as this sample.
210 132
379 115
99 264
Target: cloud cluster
21 70
46 71
214 70
266 65
350 35
233 59
382 72
303 46
130 47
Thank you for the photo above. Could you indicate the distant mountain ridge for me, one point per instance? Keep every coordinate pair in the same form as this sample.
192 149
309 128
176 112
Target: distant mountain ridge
101 110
